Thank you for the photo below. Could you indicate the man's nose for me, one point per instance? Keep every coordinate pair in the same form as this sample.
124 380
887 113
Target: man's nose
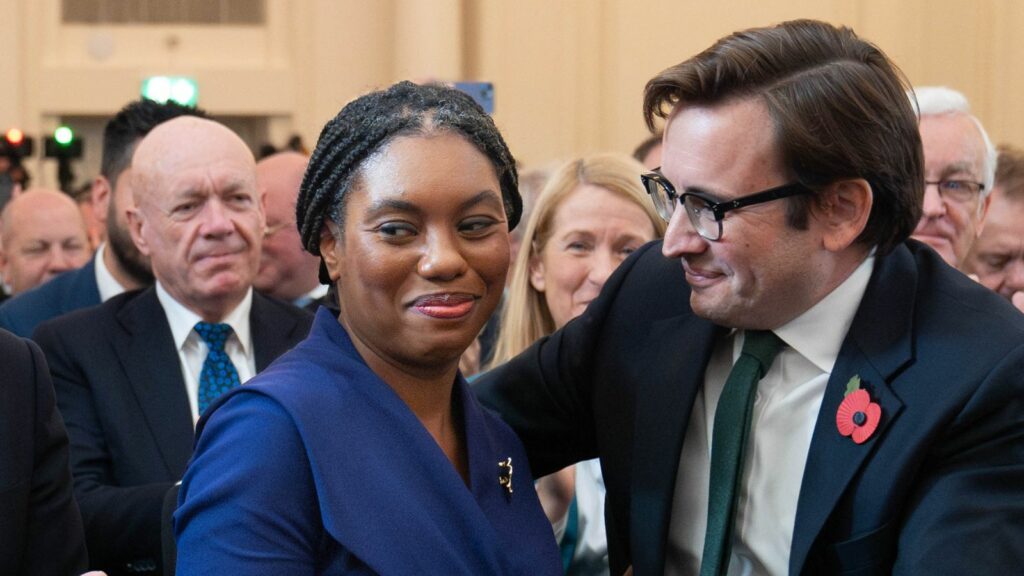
216 219
680 238
934 205
61 260
1014 281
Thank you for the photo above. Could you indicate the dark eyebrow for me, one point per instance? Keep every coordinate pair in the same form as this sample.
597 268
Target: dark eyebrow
396 205
391 205
489 197
702 193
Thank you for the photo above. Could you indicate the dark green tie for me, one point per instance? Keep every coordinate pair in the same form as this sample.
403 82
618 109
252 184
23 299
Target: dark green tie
728 440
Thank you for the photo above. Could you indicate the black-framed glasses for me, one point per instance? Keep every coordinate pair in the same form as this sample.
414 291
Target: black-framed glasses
705 213
960 191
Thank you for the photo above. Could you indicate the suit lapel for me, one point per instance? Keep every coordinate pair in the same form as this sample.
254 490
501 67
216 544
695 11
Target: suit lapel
684 344
272 331
147 353
877 347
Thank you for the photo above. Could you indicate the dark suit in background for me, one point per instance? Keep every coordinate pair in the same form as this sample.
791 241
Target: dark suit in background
936 489
68 292
121 391
40 526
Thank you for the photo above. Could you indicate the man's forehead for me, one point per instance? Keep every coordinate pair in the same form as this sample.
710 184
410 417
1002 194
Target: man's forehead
718 139
952 129
211 179
1006 214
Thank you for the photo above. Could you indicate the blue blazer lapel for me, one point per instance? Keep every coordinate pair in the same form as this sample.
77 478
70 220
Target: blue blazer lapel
147 353
877 347
662 415
437 520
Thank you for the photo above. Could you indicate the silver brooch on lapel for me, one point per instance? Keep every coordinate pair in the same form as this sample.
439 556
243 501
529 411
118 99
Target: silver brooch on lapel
505 474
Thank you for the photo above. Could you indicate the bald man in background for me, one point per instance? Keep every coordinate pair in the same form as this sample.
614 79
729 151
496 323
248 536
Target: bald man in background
130 374
43 235
286 270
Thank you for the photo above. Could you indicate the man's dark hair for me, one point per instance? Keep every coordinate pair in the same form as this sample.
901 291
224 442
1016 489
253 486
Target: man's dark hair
129 125
367 124
839 107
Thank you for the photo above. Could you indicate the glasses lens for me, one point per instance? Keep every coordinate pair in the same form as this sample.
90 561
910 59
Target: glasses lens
961 191
702 218
663 201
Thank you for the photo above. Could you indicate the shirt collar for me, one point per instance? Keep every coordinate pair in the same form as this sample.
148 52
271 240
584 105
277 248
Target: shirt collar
183 321
106 283
319 292
818 333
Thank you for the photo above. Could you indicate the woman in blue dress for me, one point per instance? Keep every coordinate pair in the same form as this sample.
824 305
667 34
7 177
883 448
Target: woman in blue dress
362 450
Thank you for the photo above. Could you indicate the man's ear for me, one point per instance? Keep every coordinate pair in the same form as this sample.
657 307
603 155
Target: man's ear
100 194
136 223
328 249
842 211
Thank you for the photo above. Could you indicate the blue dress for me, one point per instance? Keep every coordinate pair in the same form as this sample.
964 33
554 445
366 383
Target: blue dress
316 466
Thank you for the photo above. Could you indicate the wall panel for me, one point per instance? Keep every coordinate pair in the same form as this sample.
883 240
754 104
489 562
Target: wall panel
569 74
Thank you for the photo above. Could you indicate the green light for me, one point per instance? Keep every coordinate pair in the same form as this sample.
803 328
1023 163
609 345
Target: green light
63 135
178 89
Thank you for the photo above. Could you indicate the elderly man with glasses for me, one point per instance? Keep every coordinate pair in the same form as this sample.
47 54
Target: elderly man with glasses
787 384
959 169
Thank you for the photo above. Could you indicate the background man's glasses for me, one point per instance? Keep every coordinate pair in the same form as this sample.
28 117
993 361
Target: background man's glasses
705 213
959 191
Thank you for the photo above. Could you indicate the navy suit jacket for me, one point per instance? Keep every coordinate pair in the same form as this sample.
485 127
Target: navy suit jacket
121 392
70 291
937 489
317 467
40 527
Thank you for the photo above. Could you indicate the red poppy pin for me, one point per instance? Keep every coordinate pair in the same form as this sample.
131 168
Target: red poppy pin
858 416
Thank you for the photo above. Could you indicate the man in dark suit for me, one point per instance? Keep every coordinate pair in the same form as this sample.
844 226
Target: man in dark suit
40 526
117 266
133 374
809 392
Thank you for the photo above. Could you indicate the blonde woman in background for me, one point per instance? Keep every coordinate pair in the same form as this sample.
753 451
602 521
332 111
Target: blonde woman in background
592 214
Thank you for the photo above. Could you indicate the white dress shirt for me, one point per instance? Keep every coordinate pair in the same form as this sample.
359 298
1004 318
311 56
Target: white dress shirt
105 281
192 350
785 411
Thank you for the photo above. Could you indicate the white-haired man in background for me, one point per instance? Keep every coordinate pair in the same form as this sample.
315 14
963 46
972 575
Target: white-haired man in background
960 166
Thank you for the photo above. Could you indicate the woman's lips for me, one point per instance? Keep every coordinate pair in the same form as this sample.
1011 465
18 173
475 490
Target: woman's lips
445 306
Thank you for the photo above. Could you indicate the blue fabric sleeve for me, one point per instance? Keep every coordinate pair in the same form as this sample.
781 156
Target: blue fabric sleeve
248 503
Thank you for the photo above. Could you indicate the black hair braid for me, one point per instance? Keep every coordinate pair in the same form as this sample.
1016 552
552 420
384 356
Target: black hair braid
368 123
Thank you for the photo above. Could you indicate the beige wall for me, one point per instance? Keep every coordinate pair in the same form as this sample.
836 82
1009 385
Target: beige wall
569 74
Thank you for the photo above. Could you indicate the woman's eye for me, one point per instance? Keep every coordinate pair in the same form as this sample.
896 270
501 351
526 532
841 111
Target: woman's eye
396 230
477 225
577 246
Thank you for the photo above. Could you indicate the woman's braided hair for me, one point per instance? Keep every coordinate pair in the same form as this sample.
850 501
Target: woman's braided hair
367 124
